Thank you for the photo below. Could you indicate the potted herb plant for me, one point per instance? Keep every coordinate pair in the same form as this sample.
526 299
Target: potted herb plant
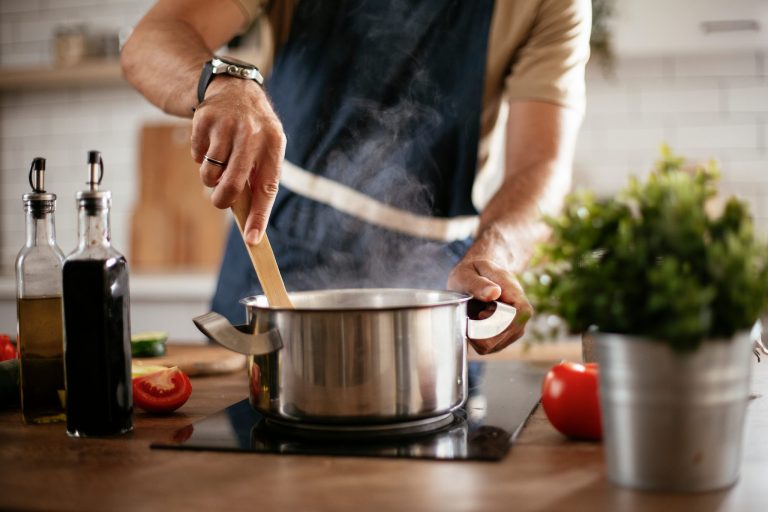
669 280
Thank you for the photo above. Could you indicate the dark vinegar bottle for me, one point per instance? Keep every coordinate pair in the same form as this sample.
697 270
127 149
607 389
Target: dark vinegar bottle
97 352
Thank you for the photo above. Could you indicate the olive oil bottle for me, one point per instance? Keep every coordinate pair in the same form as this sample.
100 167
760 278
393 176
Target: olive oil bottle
97 331
38 306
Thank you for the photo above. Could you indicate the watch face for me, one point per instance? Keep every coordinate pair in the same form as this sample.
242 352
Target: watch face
235 67
236 62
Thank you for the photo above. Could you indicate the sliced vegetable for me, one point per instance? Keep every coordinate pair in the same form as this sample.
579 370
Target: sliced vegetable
138 369
570 400
163 391
148 344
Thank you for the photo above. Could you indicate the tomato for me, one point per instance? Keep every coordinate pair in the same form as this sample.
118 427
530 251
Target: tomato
255 381
162 391
570 400
7 350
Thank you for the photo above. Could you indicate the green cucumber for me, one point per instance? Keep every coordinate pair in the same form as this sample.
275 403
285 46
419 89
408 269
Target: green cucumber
148 344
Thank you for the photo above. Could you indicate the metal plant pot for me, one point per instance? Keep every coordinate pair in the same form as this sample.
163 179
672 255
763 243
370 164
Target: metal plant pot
673 421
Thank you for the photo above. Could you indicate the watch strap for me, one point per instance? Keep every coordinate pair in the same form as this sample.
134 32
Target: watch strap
205 79
218 65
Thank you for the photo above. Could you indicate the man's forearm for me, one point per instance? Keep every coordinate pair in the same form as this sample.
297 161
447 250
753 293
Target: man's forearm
162 60
537 176
164 56
236 137
539 155
511 224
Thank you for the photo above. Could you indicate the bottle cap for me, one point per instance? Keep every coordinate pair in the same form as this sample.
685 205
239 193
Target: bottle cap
93 198
95 170
39 200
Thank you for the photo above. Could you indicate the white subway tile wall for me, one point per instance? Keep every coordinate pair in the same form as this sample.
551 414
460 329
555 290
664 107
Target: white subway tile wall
703 106
62 125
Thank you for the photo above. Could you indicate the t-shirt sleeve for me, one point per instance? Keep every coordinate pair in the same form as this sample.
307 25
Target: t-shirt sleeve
278 13
550 65
251 8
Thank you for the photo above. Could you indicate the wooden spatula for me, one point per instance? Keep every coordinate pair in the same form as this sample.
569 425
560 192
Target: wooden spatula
262 257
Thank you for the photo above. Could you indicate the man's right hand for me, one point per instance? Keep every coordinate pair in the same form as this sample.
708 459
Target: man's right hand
236 124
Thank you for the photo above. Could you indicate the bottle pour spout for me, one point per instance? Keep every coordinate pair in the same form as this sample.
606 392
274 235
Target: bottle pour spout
95 170
37 175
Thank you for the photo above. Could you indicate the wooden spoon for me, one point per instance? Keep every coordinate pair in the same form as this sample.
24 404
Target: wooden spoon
262 257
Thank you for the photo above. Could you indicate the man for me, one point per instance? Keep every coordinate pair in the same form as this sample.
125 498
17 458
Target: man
388 109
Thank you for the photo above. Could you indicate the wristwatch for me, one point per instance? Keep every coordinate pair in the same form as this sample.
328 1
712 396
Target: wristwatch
226 66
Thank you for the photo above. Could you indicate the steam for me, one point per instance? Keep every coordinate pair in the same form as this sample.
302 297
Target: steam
377 165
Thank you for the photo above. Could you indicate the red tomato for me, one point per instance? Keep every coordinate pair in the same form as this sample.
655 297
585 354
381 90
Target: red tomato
570 400
255 381
163 391
7 350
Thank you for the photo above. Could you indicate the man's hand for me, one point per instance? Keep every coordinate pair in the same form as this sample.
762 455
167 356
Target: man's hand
480 274
539 152
236 125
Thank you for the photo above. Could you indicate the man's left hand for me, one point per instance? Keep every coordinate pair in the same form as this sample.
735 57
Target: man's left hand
489 281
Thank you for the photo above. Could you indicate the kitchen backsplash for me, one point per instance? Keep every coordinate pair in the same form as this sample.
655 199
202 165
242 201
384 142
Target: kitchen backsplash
713 106
702 106
62 125
28 27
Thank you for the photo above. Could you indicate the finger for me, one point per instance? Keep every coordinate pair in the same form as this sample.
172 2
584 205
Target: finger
466 278
512 333
200 140
511 289
265 182
511 292
484 347
219 149
231 183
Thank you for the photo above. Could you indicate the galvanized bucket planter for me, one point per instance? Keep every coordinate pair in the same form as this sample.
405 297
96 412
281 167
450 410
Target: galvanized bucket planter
673 422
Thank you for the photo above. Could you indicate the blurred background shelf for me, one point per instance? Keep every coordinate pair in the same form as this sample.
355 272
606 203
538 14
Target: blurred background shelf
86 74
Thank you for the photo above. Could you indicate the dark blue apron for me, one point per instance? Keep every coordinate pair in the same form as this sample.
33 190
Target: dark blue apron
385 98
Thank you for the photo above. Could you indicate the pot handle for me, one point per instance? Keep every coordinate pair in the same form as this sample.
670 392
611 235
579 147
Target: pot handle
494 325
237 338
757 340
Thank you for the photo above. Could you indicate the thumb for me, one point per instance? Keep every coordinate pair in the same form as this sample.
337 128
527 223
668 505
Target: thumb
466 278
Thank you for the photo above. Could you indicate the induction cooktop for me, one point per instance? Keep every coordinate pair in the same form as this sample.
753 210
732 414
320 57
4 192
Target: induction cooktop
502 396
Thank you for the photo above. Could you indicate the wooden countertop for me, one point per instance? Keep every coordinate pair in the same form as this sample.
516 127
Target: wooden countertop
42 469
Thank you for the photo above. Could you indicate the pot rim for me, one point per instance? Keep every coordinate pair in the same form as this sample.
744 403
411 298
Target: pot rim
639 338
259 302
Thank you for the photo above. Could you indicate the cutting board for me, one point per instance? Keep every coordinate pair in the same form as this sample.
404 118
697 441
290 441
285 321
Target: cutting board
174 226
197 360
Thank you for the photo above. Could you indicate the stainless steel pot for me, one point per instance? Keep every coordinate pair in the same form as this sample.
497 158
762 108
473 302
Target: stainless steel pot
358 356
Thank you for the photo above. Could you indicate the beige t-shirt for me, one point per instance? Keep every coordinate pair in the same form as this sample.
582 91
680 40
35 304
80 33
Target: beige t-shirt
537 50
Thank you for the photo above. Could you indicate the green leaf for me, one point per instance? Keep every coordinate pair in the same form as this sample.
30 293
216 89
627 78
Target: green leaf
653 260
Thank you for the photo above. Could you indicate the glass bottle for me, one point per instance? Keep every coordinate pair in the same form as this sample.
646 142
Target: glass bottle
97 352
38 306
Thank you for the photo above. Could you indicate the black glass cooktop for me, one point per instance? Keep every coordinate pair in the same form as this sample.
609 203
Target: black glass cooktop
502 395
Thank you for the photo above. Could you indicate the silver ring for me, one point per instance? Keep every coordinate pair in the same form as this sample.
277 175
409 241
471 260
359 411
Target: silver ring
214 161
